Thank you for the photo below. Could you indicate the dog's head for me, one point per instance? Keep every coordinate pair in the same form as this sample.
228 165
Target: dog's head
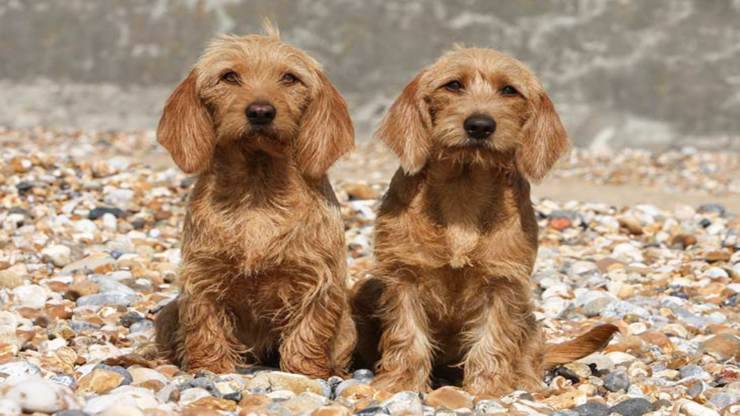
262 94
475 106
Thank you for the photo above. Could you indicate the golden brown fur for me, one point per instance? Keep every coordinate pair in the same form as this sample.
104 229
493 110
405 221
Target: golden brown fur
456 236
263 257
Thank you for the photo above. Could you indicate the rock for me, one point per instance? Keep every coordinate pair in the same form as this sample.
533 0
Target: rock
141 326
10 408
304 403
35 394
449 397
363 375
10 279
405 402
717 256
111 298
627 252
490 407
99 381
616 381
632 407
717 209
30 296
285 381
98 263
631 224
354 390
134 397
17 370
694 371
98 212
592 409
723 346
331 411
360 191
130 318
213 403
57 254
691 408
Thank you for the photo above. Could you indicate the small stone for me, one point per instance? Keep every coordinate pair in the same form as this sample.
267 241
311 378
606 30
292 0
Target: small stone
360 191
30 296
450 398
405 402
723 346
17 370
98 212
304 403
363 375
632 225
333 410
691 408
278 380
57 254
616 381
213 403
683 240
717 256
632 407
35 394
99 381
592 409
110 298
10 279
717 209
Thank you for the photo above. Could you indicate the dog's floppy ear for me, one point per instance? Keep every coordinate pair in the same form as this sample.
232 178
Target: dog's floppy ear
544 138
326 131
186 129
405 128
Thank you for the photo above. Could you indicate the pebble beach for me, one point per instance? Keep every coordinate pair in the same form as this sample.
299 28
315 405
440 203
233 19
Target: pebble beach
90 226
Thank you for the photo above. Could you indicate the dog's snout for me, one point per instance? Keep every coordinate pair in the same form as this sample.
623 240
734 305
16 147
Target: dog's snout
260 113
479 126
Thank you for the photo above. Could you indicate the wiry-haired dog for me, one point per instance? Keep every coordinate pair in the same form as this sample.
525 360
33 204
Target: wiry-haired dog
263 257
456 235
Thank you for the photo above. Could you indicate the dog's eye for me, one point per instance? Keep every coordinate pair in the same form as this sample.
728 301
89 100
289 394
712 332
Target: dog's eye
509 91
231 77
453 86
289 78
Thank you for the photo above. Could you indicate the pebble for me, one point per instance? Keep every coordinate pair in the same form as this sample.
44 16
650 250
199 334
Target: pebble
632 407
616 381
89 252
35 394
31 296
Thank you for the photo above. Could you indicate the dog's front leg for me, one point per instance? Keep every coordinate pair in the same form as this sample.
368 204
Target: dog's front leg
206 334
310 337
503 343
405 346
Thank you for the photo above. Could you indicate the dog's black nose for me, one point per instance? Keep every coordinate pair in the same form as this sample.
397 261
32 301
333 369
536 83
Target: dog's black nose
479 126
260 113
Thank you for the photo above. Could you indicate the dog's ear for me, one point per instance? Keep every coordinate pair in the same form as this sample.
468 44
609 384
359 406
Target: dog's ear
405 127
186 129
543 140
326 131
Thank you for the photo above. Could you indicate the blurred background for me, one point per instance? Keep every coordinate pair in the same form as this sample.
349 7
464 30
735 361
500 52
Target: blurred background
648 74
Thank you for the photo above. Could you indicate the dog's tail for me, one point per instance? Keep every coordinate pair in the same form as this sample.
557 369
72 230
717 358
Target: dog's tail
594 340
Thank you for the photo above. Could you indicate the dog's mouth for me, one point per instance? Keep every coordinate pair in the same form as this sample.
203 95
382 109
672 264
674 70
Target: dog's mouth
264 133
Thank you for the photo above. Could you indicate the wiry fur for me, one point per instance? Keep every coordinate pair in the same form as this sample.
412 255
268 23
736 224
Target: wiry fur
263 270
456 235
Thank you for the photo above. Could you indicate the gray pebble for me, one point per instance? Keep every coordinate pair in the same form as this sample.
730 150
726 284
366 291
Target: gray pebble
616 381
592 409
110 298
633 407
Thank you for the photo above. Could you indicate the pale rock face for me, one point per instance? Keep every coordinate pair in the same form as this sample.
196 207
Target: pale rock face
621 73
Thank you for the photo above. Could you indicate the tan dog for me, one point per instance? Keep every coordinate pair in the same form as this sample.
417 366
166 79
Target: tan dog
456 235
263 270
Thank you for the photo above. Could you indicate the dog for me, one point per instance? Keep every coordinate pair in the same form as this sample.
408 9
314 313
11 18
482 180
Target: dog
263 273
456 234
